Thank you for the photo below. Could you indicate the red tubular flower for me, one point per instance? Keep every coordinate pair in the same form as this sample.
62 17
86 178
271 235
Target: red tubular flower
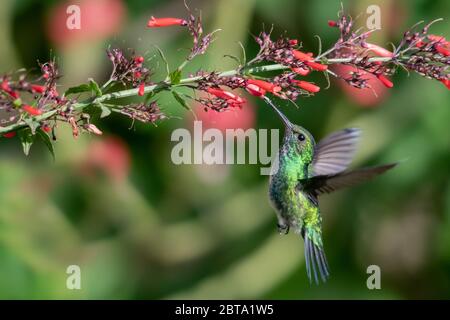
437 38
31 110
384 80
308 86
316 66
14 94
301 71
302 56
267 86
141 90
332 23
446 83
37 88
226 95
165 22
9 134
445 51
380 51
255 90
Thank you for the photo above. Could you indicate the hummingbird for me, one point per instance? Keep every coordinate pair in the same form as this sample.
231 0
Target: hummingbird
306 170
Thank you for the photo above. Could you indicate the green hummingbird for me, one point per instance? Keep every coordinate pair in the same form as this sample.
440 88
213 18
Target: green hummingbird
305 170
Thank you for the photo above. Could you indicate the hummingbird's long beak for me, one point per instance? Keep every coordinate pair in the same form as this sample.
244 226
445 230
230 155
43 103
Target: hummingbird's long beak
286 121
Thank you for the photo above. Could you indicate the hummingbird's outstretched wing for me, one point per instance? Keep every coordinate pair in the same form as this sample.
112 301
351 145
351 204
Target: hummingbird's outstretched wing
329 183
335 152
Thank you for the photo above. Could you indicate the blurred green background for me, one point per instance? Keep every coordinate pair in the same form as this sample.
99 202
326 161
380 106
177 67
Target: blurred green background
141 227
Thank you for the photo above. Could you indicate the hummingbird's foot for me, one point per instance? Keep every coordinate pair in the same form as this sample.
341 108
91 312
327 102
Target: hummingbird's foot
283 228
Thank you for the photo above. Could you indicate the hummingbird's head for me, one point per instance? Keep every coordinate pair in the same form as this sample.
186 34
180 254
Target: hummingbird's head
297 138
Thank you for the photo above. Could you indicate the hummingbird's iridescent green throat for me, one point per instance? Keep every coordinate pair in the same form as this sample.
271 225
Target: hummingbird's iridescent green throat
305 170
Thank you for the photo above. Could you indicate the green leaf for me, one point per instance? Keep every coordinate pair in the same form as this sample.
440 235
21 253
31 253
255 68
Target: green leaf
32 124
95 88
105 111
175 77
46 139
180 100
27 139
79 89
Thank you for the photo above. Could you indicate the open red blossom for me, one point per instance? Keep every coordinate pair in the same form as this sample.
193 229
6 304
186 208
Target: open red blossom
226 95
446 82
308 86
9 134
380 51
301 71
31 110
255 90
141 90
165 22
267 86
384 80
37 88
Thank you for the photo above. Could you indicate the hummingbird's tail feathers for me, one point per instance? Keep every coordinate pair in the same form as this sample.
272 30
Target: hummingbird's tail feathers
329 183
315 257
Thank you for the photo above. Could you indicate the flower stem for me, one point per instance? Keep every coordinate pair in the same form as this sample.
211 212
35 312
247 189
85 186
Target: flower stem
150 88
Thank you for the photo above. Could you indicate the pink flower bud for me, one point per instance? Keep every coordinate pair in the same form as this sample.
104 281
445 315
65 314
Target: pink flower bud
93 129
382 52
254 90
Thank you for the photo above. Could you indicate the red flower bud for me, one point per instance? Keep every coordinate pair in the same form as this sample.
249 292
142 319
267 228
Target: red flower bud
420 44
93 129
308 86
301 71
445 51
141 90
165 22
31 110
45 75
316 66
384 80
137 74
267 86
293 42
5 86
46 128
9 134
332 23
139 59
254 90
14 94
37 88
382 52
446 82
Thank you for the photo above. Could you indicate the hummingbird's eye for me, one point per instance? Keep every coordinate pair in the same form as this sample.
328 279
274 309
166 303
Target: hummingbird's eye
301 137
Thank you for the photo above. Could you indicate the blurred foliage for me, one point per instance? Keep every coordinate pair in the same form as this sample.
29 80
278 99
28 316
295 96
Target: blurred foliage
141 227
